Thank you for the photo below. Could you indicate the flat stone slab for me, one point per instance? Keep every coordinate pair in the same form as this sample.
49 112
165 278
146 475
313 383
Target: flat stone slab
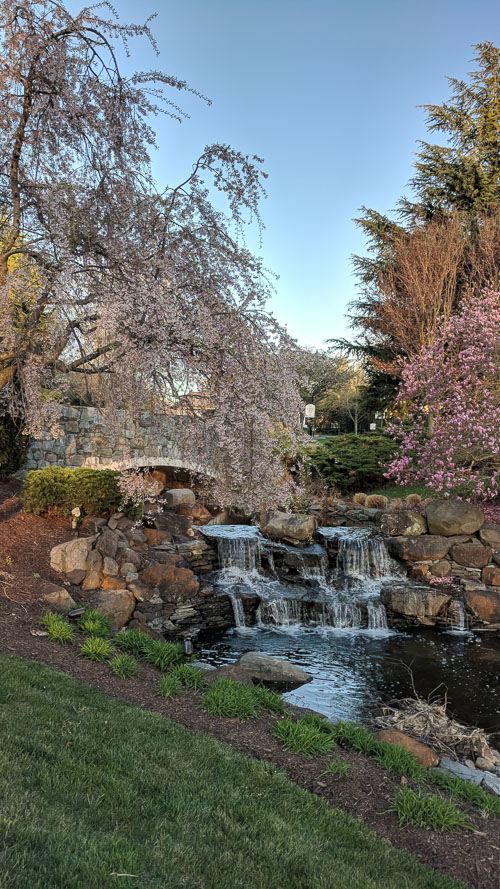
460 771
492 782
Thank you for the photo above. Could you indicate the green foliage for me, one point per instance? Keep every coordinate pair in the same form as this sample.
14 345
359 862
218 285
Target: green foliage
189 676
169 686
124 666
94 623
470 793
302 736
62 489
12 447
337 767
96 649
269 700
58 628
133 641
352 461
163 655
427 810
225 697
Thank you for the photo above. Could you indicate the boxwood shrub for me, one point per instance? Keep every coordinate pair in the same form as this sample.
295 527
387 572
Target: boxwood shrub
61 490
352 461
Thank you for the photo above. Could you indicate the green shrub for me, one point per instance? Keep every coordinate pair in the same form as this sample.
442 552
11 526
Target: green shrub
133 641
189 676
352 461
269 700
96 649
124 666
58 628
302 736
93 623
337 767
12 447
163 654
61 489
225 697
169 686
431 811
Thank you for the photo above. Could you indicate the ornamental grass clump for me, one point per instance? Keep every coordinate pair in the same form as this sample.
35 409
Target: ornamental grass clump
269 700
337 767
94 623
164 655
133 641
188 676
169 686
302 736
427 810
58 628
224 697
125 666
94 648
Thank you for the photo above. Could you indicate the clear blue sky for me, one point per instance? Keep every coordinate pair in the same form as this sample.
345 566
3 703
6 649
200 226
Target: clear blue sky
326 91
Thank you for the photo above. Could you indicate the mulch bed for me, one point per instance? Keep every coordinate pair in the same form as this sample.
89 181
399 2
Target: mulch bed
367 789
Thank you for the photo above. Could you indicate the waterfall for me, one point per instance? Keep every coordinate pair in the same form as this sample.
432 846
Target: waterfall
316 572
341 615
279 612
238 547
457 616
364 556
377 617
238 612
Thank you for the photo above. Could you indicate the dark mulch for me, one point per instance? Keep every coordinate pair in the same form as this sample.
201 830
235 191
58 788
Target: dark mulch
365 792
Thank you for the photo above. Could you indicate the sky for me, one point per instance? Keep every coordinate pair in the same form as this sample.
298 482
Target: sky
327 92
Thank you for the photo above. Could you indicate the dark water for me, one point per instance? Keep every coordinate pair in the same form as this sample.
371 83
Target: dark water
354 671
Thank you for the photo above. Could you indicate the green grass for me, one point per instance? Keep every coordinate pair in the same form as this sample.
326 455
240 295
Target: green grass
132 641
337 767
125 666
169 686
58 628
163 655
93 623
427 810
224 697
303 737
401 491
189 676
92 787
96 649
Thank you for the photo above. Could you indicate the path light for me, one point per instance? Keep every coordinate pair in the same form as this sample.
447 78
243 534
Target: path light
309 415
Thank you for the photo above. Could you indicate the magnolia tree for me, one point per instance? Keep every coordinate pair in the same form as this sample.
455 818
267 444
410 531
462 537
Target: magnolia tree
449 398
145 296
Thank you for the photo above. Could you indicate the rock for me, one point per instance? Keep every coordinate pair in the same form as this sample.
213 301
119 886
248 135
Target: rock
450 767
485 605
155 537
126 554
76 576
110 566
92 523
412 601
124 525
491 575
118 605
289 526
135 535
231 671
170 521
198 512
161 477
402 523
93 577
449 517
154 573
440 569
140 591
496 557
58 599
486 765
107 543
424 755
127 568
490 535
418 549
180 497
72 555
419 570
492 782
178 583
471 555
113 583
266 668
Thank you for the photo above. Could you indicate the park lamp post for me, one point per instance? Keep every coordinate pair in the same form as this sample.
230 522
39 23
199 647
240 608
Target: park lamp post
309 415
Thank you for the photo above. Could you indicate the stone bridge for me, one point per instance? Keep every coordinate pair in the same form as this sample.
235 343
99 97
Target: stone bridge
86 439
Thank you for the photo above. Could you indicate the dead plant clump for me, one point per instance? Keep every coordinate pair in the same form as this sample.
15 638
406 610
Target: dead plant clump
359 499
430 724
376 501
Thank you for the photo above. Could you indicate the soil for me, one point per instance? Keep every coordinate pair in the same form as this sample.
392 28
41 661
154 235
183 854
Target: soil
365 792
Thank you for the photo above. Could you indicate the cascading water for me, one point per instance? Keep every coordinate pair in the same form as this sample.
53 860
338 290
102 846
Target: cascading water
457 617
377 618
279 612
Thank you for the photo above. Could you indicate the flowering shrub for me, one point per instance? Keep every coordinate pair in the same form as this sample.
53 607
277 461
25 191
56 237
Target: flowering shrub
449 399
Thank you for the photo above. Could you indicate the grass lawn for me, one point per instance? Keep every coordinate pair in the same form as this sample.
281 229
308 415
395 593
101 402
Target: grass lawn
95 793
402 491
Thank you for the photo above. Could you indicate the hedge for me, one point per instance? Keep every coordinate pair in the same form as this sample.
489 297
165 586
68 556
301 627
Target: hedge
61 490
352 461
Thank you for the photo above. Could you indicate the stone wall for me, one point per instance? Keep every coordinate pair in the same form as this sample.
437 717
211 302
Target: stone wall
88 439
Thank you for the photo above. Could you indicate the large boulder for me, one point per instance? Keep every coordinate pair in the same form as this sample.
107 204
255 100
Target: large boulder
470 555
449 517
419 549
485 604
402 523
94 574
289 526
490 535
107 543
230 671
170 521
155 537
180 497
178 583
71 556
266 668
491 575
118 605
57 598
421 602
424 755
